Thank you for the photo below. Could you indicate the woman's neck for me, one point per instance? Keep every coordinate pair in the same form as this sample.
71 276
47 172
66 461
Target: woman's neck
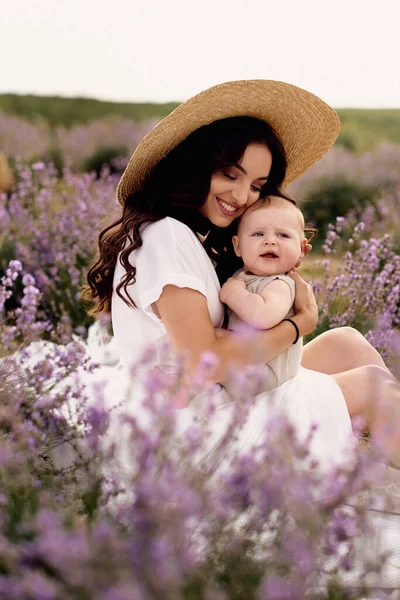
216 241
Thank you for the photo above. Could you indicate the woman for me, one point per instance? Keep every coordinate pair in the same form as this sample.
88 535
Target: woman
188 181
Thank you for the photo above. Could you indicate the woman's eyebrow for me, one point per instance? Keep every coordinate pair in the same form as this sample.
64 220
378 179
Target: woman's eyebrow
245 172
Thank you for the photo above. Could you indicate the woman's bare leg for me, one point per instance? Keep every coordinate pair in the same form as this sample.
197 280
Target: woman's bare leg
374 393
339 350
370 390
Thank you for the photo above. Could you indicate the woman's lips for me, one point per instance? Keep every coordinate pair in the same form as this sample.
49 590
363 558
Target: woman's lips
226 208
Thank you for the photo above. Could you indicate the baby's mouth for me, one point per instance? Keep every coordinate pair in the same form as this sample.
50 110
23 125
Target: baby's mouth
269 255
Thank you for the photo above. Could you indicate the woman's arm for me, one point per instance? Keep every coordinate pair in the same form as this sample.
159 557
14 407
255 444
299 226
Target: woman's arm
185 315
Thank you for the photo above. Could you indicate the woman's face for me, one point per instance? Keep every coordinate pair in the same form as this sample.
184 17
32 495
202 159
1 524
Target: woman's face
237 187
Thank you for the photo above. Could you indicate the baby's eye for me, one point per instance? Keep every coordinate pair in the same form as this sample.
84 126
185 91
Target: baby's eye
284 235
258 234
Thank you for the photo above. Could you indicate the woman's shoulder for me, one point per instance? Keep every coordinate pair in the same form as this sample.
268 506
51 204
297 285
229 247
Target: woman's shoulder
168 228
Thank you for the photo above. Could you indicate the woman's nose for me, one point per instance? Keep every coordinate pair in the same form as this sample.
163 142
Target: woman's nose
240 194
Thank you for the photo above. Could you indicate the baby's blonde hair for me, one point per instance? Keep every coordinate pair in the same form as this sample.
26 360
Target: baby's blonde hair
310 232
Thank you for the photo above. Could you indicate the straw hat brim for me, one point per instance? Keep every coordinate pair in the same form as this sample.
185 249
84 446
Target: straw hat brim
306 125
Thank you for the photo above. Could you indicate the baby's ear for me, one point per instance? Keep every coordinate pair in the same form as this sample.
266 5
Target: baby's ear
305 248
235 242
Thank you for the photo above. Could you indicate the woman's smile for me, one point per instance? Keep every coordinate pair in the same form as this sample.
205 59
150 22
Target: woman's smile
226 208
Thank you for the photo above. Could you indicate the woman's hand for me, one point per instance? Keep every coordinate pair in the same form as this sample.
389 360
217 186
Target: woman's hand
305 305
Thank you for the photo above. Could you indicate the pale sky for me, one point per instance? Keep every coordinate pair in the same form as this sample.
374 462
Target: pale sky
345 51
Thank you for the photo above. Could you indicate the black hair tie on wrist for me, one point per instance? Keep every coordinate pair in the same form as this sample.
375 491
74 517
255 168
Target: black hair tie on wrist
296 328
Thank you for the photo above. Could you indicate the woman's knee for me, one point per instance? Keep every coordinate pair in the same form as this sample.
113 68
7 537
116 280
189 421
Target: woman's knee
350 332
342 343
350 343
338 350
344 336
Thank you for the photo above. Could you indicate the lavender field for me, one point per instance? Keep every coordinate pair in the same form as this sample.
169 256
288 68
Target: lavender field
71 526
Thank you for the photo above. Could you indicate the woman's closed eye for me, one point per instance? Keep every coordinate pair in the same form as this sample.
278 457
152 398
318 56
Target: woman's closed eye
229 176
255 188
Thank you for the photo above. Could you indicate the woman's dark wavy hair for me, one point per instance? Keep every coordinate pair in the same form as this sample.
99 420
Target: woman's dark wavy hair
178 186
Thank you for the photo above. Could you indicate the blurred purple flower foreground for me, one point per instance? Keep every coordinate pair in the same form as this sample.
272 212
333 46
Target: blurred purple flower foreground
262 524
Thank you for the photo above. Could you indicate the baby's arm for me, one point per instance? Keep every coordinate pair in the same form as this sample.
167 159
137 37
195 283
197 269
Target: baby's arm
261 311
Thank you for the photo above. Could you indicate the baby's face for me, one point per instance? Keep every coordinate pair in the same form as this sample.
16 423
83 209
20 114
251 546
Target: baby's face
270 239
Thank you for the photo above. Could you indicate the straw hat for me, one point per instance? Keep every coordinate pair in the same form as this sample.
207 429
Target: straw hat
306 125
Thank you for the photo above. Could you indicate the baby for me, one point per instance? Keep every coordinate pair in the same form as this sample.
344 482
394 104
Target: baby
271 241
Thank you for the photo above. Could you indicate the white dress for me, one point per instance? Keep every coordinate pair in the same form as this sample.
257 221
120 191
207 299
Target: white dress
172 254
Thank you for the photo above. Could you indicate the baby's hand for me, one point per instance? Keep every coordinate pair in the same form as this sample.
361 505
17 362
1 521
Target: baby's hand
229 287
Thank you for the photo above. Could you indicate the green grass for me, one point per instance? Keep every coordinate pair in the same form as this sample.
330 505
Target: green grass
361 130
71 111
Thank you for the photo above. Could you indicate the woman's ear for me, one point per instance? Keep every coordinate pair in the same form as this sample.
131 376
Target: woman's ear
236 247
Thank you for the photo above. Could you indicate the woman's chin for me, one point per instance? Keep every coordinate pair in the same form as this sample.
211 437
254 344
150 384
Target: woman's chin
220 220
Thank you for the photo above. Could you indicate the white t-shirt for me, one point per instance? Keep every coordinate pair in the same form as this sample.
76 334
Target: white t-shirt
171 254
